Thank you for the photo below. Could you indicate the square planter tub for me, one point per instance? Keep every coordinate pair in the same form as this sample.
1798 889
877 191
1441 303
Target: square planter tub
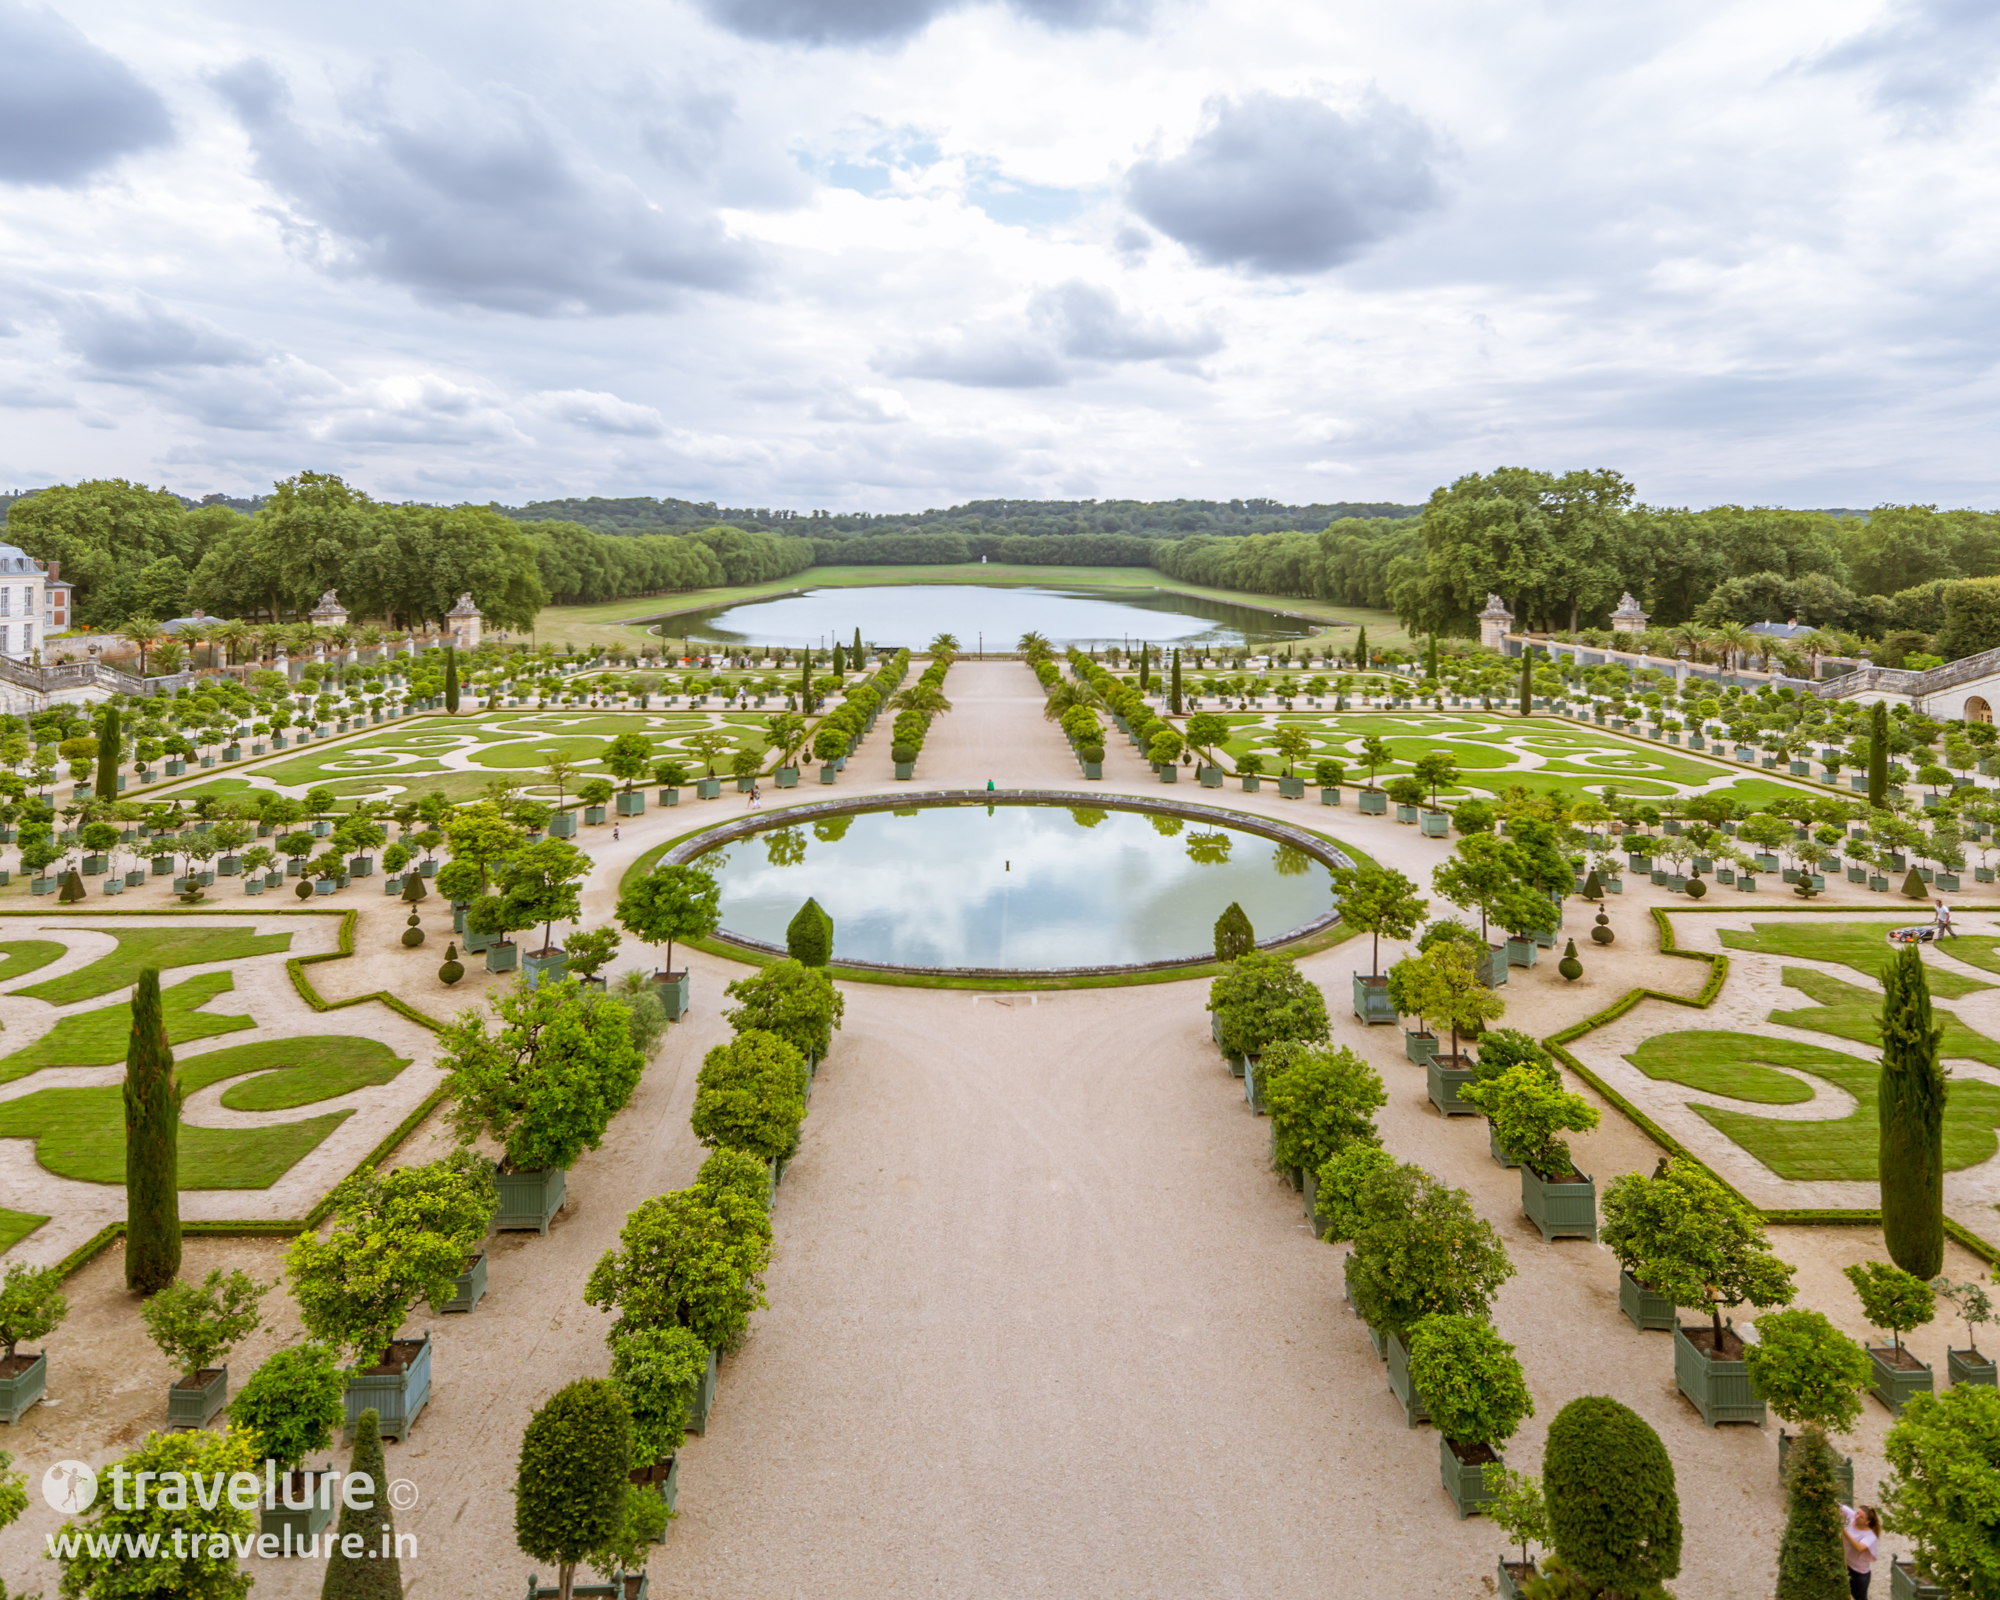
1444 1082
1904 1584
529 1199
1646 1311
1371 999
313 1497
1561 1210
1493 966
703 1400
1500 1157
1521 952
398 1395
1419 1047
1720 1390
468 1288
193 1405
1401 1386
1374 802
502 957
1893 1385
540 967
630 805
1465 1481
675 990
1969 1366
24 1386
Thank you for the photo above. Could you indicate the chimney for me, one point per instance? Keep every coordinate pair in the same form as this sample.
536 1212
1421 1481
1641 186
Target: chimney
54 569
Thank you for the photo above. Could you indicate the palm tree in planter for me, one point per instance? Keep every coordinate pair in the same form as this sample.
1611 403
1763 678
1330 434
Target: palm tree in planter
658 1371
1530 1111
1706 1248
691 1258
1261 999
291 1405
1377 901
1322 1098
796 1002
195 1328
1472 1383
545 1086
1972 1303
1420 1250
678 900
1897 1301
1812 1375
751 1095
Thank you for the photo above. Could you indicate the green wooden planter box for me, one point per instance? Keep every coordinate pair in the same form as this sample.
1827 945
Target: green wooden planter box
1292 788
1507 1583
1405 815
1465 1483
1969 1366
1401 1386
1209 777
1371 999
1720 1390
294 1525
1648 1312
1373 802
136 878
675 990
1419 1047
1329 796
631 804
398 1398
1444 1082
1493 966
502 957
593 816
194 1405
1253 1085
703 1400
788 777
826 775
1309 1195
1844 1471
1500 1157
905 770
1560 1210
529 1199
25 1387
1904 1584
563 825
1435 824
538 969
1894 1386
468 1288
1169 773
1521 952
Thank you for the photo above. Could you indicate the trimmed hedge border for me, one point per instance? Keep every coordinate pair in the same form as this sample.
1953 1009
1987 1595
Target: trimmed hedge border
1718 974
267 1227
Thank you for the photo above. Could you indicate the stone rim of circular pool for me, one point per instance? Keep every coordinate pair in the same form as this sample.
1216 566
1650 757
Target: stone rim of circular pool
1328 855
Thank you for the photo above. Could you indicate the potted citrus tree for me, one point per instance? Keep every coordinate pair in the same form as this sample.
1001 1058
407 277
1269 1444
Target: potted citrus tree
1262 998
1896 1301
195 1327
1530 1111
1376 901
658 1371
291 1405
1471 1380
796 1002
32 1306
1322 1098
1637 1211
1444 982
1945 1474
678 900
1811 1374
544 1085
1515 1506
1973 1304
751 1095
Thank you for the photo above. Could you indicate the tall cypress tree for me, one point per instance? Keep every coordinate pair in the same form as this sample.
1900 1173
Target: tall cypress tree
1527 679
1175 705
1811 1565
450 679
375 1574
1431 662
1878 755
855 654
152 1146
1911 1100
1361 650
1145 657
108 735
806 681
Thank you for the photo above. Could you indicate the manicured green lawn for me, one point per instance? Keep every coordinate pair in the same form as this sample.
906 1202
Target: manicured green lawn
16 1226
1842 1148
1864 946
139 948
24 956
80 1133
1848 1011
96 1038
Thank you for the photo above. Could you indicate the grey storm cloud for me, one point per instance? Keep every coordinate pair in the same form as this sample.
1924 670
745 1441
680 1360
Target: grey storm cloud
487 206
1283 184
1068 329
70 108
1927 57
823 22
121 334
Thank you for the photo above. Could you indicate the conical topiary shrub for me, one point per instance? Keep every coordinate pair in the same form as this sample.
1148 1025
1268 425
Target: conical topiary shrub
375 1573
72 889
1910 1103
1810 1564
1234 937
413 886
1914 887
453 969
413 935
809 938
1593 888
1569 966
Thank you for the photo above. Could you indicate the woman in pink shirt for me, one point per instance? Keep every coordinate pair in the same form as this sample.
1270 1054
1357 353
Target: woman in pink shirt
1860 1530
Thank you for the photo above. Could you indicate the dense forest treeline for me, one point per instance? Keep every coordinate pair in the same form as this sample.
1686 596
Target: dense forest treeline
1558 548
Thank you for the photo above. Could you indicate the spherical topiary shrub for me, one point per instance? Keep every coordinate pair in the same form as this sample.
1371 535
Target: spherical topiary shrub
413 935
1602 933
902 754
1696 888
1614 1515
305 889
453 969
1569 966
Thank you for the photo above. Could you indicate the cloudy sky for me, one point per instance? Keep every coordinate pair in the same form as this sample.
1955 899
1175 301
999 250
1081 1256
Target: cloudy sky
886 254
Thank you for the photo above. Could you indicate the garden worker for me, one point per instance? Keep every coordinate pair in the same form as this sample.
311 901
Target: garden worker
1944 919
1859 1531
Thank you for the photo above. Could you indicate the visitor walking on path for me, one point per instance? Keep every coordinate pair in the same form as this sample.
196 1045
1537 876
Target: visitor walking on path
1858 1532
1943 915
614 833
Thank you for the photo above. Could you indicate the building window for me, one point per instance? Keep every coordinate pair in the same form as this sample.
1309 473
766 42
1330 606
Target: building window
4 632
27 636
